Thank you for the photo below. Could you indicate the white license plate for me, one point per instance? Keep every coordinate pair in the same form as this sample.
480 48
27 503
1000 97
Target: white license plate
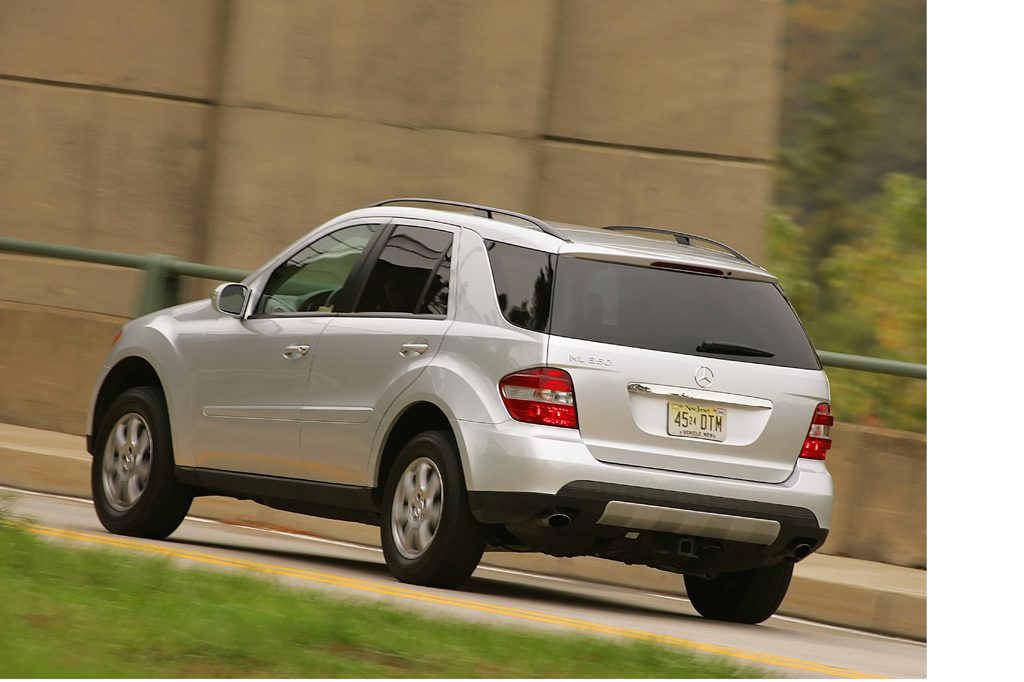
696 421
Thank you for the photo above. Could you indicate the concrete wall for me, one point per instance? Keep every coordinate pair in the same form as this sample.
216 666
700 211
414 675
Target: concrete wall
221 130
50 389
880 495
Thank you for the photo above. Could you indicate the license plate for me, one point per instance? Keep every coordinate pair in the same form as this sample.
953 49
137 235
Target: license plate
696 421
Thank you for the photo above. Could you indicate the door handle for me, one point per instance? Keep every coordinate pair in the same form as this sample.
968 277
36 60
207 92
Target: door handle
409 350
296 351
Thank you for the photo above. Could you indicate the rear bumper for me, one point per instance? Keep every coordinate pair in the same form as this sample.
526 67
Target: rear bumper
607 504
674 531
517 475
513 457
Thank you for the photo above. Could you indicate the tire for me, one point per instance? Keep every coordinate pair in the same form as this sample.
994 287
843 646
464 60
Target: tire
742 597
427 532
134 489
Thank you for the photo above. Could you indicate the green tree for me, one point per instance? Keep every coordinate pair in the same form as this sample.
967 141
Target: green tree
816 170
886 41
848 240
878 304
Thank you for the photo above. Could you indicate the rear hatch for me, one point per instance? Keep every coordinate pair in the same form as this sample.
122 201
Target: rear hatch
679 368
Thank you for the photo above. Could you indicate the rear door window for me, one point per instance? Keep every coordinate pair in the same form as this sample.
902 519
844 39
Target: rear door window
678 312
411 275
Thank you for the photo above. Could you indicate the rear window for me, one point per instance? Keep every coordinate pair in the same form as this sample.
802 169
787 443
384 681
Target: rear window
677 312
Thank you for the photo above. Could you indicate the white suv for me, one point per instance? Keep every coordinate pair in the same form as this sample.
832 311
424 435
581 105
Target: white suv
474 379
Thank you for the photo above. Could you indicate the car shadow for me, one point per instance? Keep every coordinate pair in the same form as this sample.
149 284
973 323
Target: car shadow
505 587
377 569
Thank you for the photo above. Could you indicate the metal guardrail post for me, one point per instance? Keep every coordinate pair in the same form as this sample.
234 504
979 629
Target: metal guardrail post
159 284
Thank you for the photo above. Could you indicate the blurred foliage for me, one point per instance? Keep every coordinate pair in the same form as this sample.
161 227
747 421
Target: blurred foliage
848 239
817 168
884 43
877 305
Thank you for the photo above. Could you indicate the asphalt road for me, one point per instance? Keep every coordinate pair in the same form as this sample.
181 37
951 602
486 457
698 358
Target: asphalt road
785 646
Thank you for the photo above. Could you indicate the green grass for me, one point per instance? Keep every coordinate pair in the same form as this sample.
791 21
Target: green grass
73 612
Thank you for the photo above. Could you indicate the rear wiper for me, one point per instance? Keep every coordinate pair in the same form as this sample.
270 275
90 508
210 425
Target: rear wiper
733 349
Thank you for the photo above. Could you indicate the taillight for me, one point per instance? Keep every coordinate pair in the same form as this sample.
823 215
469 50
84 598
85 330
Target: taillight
819 438
542 395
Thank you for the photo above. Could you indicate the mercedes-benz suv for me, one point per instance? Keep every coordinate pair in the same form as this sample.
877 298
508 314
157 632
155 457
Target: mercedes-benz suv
474 379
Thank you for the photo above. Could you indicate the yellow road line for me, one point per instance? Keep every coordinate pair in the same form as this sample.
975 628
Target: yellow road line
406 593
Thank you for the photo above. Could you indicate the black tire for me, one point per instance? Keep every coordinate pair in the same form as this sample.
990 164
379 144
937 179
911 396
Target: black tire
457 541
127 502
742 597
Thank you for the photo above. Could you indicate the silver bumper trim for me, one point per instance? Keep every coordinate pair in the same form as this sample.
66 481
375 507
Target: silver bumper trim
689 522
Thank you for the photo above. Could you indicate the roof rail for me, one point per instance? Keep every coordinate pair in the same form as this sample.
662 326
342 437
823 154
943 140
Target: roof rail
483 211
683 238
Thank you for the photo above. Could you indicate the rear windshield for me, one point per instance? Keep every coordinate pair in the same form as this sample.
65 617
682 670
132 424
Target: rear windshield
678 312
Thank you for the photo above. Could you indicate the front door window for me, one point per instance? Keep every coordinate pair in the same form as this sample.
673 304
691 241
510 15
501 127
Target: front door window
312 279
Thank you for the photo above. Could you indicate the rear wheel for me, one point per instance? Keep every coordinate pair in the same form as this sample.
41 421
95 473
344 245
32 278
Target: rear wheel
741 597
134 489
428 534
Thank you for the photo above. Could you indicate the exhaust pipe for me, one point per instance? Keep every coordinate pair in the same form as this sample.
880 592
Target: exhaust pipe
802 551
558 520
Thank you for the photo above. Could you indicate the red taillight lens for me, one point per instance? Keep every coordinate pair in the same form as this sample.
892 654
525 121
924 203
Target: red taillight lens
819 438
542 395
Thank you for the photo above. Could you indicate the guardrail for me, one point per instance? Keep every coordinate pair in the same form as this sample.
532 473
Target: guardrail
162 273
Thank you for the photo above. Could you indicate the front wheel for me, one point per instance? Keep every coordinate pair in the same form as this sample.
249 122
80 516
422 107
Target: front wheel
428 534
133 485
741 597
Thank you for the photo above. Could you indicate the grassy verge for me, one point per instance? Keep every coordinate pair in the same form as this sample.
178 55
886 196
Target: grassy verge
70 612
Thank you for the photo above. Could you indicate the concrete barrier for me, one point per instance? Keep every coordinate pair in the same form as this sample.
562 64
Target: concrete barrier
282 174
674 192
846 592
697 76
467 65
220 131
48 385
101 170
881 495
143 45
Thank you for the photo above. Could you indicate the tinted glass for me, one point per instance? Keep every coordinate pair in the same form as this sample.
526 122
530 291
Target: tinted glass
411 274
311 280
676 312
522 280
435 299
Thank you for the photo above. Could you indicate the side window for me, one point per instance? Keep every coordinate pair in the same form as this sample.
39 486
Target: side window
435 302
411 274
312 279
522 280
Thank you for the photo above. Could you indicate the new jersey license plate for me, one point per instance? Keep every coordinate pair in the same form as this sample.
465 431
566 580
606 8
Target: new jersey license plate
696 421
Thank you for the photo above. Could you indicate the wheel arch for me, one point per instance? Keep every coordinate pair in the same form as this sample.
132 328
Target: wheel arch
414 418
129 372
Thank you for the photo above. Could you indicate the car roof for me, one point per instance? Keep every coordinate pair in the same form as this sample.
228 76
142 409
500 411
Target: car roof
579 240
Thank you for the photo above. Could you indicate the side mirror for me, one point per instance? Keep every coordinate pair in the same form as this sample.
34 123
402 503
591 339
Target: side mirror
230 299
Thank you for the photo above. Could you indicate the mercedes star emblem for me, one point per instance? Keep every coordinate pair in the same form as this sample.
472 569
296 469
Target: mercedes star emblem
704 377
